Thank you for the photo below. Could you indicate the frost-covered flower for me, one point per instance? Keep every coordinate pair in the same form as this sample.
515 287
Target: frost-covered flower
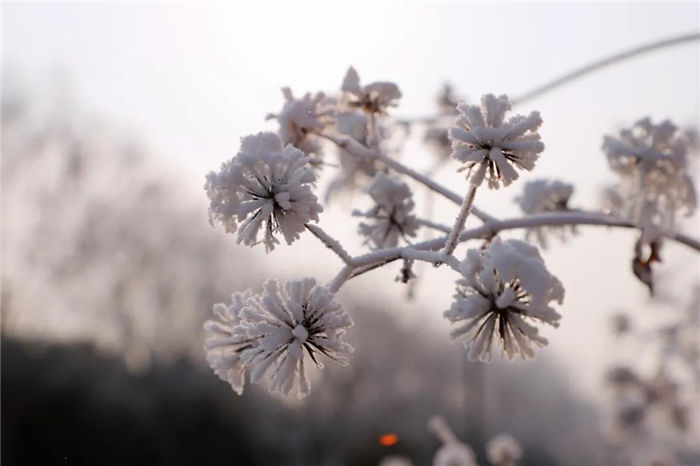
391 216
284 322
376 97
503 287
652 161
226 339
264 183
300 119
541 196
503 450
545 196
485 141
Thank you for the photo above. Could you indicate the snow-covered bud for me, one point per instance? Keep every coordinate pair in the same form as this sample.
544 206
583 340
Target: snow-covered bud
391 218
545 196
284 322
503 287
541 196
503 450
300 119
491 146
265 182
376 97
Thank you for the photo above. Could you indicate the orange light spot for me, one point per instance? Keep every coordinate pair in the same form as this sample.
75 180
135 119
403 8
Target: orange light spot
388 440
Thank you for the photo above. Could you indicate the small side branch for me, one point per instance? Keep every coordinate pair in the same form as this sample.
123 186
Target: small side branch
434 225
331 243
466 207
376 259
431 257
354 147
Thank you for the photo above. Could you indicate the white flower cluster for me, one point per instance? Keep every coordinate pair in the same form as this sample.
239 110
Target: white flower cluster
391 216
301 119
265 182
504 286
485 141
541 196
652 162
373 98
256 332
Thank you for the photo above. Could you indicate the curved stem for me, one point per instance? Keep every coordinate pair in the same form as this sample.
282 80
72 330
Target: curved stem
602 63
354 147
466 207
330 242
376 259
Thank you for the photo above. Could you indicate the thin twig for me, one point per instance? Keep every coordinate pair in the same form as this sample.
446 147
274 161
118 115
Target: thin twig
434 225
330 242
376 259
465 208
356 148
602 63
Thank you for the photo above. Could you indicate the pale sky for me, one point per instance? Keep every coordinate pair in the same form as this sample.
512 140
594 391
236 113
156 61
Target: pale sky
191 79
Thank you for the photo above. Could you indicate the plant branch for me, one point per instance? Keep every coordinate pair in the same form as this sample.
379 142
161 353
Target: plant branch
465 208
602 63
351 145
376 259
330 242
434 225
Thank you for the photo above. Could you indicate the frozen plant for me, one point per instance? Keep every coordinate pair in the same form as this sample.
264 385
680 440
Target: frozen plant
652 162
265 182
490 146
373 98
503 288
542 196
391 217
257 332
300 119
